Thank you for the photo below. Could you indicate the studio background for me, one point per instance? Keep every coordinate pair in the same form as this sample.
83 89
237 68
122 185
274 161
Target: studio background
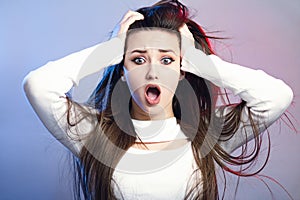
264 34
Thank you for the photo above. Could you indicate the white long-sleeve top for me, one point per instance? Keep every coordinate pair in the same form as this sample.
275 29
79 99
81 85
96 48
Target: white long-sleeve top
46 86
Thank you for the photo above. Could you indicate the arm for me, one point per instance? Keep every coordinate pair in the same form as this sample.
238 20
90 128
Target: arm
266 96
46 87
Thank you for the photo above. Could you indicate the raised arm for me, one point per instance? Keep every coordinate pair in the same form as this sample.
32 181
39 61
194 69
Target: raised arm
46 87
266 96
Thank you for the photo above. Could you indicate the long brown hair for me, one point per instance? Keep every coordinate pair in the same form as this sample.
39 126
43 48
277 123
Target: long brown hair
94 179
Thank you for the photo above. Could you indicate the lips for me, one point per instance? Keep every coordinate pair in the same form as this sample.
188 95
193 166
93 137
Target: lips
152 94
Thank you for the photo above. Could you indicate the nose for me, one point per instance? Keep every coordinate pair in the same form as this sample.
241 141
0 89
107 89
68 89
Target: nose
152 72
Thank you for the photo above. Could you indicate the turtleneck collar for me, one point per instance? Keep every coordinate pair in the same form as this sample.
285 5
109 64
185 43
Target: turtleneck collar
158 130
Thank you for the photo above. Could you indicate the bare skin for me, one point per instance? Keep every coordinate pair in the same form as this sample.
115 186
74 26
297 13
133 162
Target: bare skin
152 58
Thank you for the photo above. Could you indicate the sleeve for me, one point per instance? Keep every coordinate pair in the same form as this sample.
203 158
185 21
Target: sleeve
46 87
266 96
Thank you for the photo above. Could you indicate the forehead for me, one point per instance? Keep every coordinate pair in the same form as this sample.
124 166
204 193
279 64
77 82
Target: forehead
158 39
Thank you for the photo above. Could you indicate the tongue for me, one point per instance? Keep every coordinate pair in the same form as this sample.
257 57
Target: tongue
152 93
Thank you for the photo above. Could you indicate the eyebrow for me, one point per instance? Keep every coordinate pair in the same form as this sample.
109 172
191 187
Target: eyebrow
166 50
145 51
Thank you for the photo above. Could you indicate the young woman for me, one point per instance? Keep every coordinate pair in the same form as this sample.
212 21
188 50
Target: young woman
154 128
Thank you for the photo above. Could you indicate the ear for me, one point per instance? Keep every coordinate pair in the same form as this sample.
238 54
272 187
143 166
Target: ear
182 75
122 75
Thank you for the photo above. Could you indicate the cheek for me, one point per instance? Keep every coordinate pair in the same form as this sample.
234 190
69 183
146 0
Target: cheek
126 63
135 78
169 78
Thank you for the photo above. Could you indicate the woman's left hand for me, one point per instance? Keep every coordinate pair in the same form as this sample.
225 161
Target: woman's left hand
187 39
189 52
187 42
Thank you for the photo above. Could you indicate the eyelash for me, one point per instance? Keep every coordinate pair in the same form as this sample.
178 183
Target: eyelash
135 60
171 59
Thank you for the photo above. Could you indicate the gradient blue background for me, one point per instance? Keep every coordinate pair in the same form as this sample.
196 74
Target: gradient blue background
264 34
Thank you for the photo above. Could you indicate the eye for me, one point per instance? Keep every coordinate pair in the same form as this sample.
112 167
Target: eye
167 60
139 60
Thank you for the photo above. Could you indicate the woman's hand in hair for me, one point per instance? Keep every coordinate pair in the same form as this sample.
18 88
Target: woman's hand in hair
190 56
187 43
187 39
122 27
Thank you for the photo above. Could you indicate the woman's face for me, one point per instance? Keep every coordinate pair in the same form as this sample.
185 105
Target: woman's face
152 72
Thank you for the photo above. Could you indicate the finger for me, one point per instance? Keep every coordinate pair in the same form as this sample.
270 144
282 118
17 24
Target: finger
125 25
183 28
129 14
132 19
185 31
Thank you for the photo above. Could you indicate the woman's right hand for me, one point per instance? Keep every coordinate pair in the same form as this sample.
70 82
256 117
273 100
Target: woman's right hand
129 18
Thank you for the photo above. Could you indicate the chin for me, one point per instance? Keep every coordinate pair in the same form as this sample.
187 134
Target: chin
156 111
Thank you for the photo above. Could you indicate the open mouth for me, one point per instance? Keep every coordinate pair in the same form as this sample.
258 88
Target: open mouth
152 94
